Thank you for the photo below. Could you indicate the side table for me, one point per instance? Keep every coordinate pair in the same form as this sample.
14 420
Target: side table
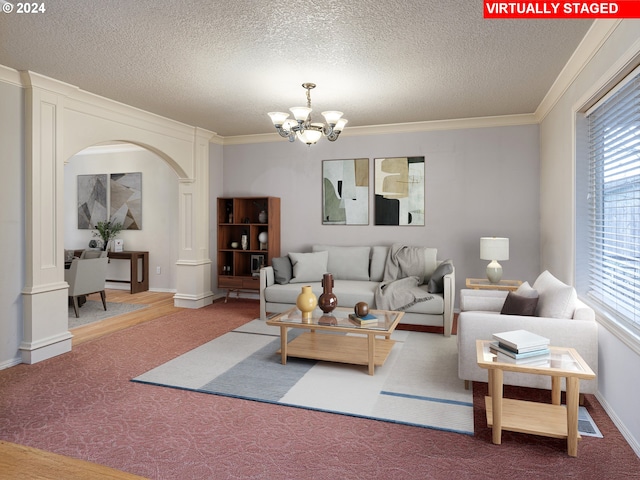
550 420
484 284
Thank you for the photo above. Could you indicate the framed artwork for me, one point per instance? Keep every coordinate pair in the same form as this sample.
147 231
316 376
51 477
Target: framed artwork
345 192
399 191
126 200
92 200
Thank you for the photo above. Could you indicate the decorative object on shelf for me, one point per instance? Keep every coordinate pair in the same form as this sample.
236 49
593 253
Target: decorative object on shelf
303 128
262 216
306 303
107 231
244 240
93 244
328 300
399 191
494 249
361 309
257 262
118 245
234 244
345 192
262 238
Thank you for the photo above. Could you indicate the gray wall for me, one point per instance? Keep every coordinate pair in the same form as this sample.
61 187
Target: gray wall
479 182
12 223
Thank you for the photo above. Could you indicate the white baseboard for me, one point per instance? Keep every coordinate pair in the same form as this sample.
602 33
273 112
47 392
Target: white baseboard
10 363
633 442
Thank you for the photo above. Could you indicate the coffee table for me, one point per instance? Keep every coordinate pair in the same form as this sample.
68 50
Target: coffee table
550 420
361 347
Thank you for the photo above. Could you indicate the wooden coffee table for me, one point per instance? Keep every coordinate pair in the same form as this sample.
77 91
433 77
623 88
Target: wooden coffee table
550 420
361 347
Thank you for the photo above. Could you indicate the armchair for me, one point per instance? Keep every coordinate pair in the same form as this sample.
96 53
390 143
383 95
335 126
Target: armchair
86 276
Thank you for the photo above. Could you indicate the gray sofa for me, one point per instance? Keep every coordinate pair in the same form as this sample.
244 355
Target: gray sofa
559 316
357 272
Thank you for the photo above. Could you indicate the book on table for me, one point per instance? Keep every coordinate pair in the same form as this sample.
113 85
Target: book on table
499 349
533 361
368 318
521 341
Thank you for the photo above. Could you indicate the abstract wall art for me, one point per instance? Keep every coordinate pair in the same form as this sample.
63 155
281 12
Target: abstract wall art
345 192
92 200
126 200
399 191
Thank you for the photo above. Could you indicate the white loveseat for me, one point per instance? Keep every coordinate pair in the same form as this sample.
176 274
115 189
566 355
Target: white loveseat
357 272
480 318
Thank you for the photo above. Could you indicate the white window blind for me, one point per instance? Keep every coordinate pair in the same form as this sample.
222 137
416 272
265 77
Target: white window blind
614 202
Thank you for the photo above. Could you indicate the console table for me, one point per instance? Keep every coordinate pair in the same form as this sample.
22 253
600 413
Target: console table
133 257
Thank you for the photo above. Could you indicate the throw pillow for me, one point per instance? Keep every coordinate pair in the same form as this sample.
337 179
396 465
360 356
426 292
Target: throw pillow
436 282
525 290
347 263
519 305
308 267
282 270
556 299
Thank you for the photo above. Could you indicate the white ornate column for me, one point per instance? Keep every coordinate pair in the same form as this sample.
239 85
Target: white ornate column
45 320
194 265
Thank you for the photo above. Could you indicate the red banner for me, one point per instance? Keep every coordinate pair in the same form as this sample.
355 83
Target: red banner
530 10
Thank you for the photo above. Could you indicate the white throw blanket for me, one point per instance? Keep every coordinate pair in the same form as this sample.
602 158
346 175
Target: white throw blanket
403 272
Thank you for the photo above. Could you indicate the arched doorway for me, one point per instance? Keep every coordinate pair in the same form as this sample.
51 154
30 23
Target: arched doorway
62 120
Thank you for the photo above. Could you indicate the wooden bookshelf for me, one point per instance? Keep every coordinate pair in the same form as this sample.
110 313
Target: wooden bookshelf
237 216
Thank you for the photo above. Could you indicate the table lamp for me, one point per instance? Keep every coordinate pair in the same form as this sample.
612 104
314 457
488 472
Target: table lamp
494 249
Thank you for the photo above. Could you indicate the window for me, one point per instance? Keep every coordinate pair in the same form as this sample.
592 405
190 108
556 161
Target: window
611 249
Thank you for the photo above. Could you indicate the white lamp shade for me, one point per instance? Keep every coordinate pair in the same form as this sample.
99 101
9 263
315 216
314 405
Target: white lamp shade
340 125
278 118
494 248
300 113
309 136
332 116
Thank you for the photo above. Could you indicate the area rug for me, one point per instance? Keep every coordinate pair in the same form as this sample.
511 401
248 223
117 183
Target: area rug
418 384
93 311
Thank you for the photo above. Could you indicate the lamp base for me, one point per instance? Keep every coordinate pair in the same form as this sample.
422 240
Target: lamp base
494 272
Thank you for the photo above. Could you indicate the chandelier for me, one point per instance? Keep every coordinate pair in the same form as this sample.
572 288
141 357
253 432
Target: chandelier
303 128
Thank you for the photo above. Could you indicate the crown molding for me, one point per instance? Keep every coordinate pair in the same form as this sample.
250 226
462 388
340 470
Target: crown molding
11 76
413 127
597 35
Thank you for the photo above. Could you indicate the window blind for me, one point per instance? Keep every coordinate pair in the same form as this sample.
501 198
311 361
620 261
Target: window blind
614 202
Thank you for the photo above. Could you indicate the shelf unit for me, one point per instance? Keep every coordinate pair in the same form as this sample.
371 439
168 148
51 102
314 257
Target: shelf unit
237 268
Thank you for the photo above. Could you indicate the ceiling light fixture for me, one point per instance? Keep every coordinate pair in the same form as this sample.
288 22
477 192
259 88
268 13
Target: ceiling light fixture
302 127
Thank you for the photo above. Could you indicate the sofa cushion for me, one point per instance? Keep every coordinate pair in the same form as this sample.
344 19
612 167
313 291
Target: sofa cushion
282 270
556 299
348 292
526 290
346 263
433 306
516 304
436 282
378 259
308 267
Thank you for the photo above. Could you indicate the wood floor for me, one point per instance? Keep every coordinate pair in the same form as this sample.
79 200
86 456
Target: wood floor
159 305
21 462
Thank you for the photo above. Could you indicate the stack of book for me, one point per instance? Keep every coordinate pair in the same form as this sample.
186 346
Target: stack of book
521 347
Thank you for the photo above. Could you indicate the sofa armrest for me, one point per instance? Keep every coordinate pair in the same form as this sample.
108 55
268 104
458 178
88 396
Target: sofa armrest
482 300
449 282
267 278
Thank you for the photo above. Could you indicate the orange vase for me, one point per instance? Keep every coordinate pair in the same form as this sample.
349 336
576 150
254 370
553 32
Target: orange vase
306 302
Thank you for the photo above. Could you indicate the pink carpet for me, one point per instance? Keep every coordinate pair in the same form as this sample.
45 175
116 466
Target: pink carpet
84 405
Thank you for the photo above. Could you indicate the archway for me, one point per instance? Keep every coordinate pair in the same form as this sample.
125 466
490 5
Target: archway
60 121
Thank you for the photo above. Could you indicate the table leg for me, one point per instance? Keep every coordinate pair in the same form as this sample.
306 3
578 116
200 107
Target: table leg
573 391
495 387
283 344
371 338
556 390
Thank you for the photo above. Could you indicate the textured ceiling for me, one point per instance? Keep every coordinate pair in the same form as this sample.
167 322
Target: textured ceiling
222 65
